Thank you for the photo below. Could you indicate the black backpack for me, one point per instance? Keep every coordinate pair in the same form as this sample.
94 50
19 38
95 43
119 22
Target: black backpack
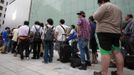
49 35
37 35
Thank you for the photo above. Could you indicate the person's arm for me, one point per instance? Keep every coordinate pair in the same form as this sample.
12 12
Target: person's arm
99 13
56 33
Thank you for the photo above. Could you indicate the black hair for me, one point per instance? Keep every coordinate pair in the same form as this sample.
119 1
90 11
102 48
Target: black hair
26 22
7 28
91 18
42 24
73 26
37 23
100 1
62 21
130 15
50 21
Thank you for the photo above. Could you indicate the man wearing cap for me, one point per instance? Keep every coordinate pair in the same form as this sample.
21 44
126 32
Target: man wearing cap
83 30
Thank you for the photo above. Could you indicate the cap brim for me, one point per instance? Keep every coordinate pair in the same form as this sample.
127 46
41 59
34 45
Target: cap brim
78 13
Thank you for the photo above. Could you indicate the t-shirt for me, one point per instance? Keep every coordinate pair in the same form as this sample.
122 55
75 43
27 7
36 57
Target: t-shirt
15 34
60 31
37 26
109 18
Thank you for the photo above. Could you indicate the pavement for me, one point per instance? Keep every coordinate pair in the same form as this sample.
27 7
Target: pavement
10 65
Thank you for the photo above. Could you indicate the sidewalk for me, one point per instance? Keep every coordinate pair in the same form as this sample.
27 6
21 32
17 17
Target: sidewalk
10 65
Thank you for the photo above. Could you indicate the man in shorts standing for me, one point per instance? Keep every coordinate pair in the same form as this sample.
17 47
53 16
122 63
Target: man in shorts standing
109 20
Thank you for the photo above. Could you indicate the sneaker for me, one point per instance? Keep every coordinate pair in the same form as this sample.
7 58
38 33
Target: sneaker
33 57
97 73
83 67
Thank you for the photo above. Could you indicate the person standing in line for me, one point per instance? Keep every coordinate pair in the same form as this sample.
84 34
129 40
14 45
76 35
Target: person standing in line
93 43
14 40
5 39
37 33
109 20
48 41
83 30
23 37
129 32
60 35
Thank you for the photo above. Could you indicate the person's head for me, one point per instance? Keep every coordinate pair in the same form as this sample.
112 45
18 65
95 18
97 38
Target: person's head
37 23
91 19
128 17
100 2
73 26
42 24
50 21
81 14
7 28
26 23
62 21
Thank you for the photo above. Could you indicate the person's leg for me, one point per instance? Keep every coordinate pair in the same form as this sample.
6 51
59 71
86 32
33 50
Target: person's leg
46 53
51 51
105 64
21 50
82 46
27 48
38 49
119 60
34 50
104 41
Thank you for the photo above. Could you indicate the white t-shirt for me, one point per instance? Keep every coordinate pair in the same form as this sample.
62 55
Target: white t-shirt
37 26
60 31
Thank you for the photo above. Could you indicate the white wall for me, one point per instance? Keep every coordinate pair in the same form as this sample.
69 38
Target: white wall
17 13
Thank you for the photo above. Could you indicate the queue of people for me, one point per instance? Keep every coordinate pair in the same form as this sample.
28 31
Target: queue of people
103 30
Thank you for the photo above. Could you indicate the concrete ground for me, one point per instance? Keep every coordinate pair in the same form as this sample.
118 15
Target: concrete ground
10 65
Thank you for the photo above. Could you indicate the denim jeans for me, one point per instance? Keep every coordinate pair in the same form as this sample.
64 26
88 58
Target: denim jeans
84 52
48 55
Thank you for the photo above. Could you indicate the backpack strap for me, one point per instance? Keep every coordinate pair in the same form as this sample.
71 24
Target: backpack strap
63 28
37 30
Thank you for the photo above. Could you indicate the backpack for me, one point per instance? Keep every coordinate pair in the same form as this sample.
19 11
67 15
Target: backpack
37 35
49 35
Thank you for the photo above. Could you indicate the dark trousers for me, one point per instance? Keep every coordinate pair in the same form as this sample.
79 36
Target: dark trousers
14 44
24 46
36 49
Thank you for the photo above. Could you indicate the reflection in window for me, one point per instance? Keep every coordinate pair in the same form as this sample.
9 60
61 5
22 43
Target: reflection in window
4 15
3 22
1 8
5 9
2 1
0 14
6 3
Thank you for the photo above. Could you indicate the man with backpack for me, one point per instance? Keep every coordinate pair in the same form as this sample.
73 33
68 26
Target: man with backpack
37 33
48 41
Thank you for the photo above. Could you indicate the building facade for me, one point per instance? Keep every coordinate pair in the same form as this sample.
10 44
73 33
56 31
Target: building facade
3 9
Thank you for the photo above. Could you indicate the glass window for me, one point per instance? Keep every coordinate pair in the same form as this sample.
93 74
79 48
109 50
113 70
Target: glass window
0 14
3 22
1 8
2 1
4 15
